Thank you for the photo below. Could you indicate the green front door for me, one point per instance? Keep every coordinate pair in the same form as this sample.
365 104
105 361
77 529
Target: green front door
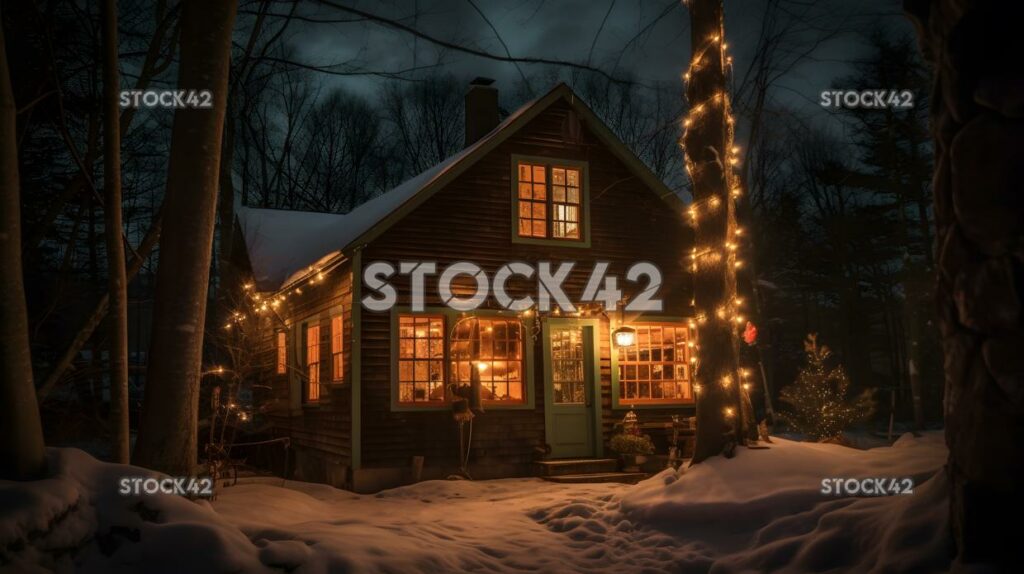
570 393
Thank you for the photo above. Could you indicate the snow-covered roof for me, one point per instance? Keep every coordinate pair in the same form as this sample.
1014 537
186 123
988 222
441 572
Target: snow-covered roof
284 245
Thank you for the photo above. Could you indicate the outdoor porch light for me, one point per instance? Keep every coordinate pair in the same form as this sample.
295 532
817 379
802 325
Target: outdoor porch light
624 336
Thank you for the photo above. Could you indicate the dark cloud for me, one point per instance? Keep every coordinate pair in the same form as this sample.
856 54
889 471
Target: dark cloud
645 40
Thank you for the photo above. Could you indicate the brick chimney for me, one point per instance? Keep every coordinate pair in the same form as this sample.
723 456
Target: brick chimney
481 109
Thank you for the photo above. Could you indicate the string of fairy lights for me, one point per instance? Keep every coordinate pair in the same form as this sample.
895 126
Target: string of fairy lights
706 257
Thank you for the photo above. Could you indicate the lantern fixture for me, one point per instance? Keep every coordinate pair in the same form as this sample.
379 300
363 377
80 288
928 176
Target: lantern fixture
624 336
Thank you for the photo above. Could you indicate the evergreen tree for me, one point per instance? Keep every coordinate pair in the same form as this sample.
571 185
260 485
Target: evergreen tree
820 402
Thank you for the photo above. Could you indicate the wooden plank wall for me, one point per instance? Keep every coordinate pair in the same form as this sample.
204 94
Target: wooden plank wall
470 220
322 429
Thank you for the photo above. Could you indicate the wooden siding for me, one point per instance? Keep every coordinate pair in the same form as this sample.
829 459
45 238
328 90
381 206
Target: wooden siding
322 428
470 220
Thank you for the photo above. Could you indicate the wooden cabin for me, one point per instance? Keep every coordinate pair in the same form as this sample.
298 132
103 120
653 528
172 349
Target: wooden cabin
364 393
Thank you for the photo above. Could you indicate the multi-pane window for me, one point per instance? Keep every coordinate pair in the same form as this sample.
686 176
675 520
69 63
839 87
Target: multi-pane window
282 353
549 201
568 381
533 201
499 357
565 203
421 359
337 364
313 362
656 368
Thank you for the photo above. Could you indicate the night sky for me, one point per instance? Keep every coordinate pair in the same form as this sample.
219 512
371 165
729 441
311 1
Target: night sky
566 30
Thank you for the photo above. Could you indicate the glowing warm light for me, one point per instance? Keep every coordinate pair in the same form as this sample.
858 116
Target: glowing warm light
728 411
726 381
697 389
625 336
481 366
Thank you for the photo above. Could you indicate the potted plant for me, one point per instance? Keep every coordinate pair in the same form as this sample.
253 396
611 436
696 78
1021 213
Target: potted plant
632 448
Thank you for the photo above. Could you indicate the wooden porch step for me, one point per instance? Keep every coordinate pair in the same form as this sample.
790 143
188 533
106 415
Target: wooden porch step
565 466
594 477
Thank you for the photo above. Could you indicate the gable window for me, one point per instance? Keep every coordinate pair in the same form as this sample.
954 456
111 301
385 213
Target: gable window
656 368
282 353
549 200
313 363
500 358
421 359
337 362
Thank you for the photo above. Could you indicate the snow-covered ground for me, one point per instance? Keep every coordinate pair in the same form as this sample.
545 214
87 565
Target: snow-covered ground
761 511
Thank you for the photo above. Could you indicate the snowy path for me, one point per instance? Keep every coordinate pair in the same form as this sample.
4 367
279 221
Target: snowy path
761 511
491 526
764 509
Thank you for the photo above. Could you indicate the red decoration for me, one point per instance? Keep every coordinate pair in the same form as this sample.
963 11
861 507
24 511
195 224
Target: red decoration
750 334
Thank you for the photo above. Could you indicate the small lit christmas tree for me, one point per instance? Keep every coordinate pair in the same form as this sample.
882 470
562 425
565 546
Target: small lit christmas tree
819 400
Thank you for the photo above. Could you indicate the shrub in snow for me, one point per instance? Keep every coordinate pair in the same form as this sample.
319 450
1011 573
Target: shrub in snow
819 401
628 443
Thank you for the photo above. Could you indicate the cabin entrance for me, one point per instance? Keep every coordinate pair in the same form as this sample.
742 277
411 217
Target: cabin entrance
571 394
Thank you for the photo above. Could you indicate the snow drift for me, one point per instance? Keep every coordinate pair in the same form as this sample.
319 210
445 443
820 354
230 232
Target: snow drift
760 511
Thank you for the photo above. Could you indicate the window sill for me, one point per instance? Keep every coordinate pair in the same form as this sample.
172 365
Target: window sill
623 405
577 243
407 408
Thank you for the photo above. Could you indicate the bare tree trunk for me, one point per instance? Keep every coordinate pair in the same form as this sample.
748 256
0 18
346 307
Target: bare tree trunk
167 430
977 111
117 275
22 455
708 142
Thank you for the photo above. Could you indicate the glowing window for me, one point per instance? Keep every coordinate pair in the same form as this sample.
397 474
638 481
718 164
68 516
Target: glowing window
656 368
282 352
313 363
337 362
421 359
549 201
499 358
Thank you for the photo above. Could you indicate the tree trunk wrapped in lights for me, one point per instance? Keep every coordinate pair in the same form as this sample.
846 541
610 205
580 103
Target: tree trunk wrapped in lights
709 155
